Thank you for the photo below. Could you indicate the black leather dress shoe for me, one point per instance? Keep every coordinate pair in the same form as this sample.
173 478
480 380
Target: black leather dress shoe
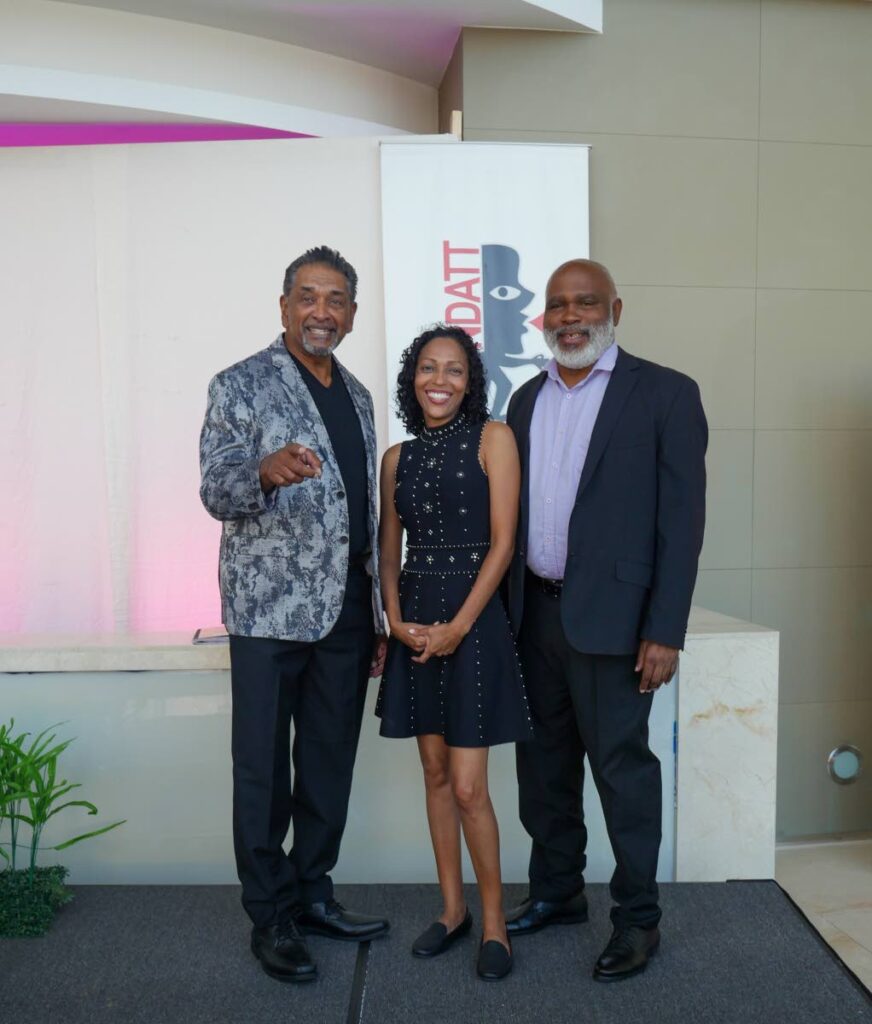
627 953
436 939
532 915
334 921
494 961
282 952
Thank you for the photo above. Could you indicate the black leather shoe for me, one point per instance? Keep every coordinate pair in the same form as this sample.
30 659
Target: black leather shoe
627 953
282 952
494 961
334 921
436 939
532 915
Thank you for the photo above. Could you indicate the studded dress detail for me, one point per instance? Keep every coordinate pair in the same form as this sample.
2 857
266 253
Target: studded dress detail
474 697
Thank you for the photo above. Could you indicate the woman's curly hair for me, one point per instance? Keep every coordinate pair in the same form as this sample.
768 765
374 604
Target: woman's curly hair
474 405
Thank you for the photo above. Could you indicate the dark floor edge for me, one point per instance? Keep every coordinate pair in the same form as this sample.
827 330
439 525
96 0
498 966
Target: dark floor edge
358 985
821 940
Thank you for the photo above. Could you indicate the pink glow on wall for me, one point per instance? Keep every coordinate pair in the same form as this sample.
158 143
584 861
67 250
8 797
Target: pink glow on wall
174 572
14 134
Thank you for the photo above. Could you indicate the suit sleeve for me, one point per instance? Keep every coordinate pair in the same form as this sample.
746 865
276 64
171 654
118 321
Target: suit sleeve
229 459
681 480
510 413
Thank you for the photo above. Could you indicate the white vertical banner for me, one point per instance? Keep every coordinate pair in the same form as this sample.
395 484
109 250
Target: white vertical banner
471 233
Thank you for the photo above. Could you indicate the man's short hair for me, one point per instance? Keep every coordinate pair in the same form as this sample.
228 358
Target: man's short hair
329 258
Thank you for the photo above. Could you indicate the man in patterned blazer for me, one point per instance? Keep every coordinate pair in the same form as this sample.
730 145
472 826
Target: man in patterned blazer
287 459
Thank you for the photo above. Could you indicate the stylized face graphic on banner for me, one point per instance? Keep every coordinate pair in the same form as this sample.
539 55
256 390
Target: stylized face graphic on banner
504 303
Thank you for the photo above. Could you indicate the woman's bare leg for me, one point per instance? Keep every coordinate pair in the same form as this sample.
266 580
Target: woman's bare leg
444 821
468 768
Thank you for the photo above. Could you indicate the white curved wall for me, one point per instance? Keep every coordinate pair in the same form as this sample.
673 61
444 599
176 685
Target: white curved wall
129 275
88 54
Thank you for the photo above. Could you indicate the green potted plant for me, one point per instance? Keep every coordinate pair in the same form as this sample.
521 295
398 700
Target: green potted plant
31 794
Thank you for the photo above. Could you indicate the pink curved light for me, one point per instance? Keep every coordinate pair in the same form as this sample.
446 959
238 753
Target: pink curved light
16 134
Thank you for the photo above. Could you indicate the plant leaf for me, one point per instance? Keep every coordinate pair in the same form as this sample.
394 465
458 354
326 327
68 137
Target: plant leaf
33 746
87 835
20 817
11 798
64 788
73 803
51 755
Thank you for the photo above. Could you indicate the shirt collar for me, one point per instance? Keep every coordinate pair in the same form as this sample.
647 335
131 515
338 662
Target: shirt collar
605 364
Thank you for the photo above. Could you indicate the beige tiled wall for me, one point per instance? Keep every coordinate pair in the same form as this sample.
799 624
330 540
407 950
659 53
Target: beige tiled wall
731 195
815 216
451 89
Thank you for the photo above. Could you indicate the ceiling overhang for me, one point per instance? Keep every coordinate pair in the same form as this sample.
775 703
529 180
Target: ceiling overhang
410 38
316 69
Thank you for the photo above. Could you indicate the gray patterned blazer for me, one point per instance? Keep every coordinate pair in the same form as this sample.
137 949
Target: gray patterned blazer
282 567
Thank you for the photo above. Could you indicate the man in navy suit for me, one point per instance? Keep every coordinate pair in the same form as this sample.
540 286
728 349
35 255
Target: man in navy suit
611 525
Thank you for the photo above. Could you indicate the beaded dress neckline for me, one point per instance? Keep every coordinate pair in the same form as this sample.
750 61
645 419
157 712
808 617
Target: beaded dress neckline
433 435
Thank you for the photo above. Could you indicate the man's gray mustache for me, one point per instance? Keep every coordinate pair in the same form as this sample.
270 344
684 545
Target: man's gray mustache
572 329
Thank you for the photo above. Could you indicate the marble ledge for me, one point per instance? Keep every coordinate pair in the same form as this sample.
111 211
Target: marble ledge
143 652
174 652
727 725
705 623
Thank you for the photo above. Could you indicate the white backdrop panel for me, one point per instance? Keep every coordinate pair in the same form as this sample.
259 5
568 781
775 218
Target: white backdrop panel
471 234
128 276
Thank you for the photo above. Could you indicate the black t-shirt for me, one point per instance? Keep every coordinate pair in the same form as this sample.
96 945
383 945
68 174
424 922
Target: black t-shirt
340 418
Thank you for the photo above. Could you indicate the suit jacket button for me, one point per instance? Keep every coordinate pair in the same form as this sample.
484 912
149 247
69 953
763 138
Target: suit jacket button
340 494
343 539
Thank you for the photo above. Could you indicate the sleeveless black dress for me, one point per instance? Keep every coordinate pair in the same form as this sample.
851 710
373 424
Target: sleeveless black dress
474 697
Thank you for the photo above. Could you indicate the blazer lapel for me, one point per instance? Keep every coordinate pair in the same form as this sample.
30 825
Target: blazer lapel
623 380
522 433
300 395
367 425
525 419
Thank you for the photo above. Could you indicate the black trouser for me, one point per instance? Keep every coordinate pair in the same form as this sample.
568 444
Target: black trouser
321 686
586 704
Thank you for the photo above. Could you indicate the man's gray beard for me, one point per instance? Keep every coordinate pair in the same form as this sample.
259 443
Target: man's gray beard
580 356
319 350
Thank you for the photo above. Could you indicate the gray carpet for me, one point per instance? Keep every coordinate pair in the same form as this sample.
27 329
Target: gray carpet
732 953
160 955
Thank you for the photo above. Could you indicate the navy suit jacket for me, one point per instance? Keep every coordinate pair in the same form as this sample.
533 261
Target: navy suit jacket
636 528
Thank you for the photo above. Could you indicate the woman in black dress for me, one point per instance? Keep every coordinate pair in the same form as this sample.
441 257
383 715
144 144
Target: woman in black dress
452 677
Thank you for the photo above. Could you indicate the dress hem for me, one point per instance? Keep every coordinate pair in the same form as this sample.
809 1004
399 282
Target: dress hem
407 735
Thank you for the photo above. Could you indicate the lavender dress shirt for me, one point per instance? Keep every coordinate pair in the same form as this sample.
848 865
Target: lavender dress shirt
563 421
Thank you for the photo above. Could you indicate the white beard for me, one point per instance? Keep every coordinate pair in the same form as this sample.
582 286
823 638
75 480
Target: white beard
318 350
602 336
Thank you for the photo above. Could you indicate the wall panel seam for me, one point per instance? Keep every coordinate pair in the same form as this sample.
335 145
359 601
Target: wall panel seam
824 703
743 287
756 291
577 132
811 430
802 568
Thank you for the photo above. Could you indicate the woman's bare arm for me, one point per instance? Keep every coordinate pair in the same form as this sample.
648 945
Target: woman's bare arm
390 539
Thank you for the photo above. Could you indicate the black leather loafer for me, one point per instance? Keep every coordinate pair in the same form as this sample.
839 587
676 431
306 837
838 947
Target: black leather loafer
282 952
494 961
334 921
533 915
627 953
436 939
